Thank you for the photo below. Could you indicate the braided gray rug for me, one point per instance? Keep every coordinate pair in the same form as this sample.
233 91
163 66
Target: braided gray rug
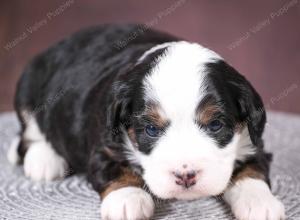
73 197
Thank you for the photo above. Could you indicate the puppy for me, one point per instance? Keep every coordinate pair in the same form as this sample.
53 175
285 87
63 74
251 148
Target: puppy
143 112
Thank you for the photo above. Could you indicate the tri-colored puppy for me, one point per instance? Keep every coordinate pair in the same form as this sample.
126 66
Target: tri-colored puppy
155 115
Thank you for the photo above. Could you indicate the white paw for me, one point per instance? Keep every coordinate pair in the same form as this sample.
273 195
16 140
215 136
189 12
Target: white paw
251 199
128 203
41 162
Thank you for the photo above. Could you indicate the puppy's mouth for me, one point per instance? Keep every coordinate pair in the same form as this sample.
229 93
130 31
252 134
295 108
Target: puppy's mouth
179 193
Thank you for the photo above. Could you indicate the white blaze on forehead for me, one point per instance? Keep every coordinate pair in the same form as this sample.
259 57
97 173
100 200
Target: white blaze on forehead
177 80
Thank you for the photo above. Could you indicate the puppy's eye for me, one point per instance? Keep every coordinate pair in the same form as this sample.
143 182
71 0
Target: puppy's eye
215 125
152 131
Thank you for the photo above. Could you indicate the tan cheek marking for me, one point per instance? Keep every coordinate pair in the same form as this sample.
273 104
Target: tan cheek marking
132 136
239 127
128 178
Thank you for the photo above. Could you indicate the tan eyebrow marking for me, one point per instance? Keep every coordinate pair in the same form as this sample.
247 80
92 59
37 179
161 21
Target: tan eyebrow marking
207 114
206 110
156 115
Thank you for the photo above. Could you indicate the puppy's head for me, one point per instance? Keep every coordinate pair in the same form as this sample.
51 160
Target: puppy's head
189 118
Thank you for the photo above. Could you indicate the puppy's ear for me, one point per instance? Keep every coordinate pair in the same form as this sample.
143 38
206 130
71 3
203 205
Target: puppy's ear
234 86
252 111
251 108
123 92
120 108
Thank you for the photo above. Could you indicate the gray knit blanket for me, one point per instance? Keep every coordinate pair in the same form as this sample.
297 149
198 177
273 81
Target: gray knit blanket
73 198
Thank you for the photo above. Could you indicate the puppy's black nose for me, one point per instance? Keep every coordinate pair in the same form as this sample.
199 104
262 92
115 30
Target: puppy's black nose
186 179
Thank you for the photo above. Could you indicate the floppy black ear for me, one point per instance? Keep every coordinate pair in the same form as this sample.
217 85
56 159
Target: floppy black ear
250 105
235 87
124 91
120 108
252 111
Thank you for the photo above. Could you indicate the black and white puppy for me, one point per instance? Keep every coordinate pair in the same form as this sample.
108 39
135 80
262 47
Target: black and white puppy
154 115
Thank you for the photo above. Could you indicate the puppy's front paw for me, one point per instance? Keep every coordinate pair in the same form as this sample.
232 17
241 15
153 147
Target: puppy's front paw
41 162
128 203
251 199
